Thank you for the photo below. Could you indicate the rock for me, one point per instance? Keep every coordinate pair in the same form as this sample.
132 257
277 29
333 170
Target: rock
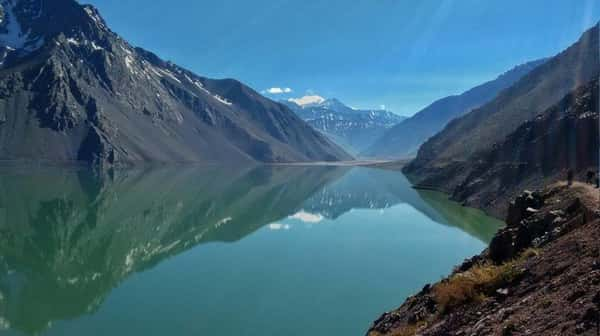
523 207
502 291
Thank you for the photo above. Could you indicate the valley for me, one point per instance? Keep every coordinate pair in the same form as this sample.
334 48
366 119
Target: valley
451 189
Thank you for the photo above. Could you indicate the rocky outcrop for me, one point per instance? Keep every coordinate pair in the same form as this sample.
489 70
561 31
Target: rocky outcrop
540 276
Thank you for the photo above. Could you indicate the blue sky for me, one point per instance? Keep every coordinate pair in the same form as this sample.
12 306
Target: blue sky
402 54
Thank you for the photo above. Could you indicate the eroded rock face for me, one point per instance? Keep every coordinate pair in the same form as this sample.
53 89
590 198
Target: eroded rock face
529 226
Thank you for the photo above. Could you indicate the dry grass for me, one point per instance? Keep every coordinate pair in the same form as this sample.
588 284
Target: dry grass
477 283
407 330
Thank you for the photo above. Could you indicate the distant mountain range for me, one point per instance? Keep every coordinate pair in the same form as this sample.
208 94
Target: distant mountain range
73 90
528 136
353 129
404 139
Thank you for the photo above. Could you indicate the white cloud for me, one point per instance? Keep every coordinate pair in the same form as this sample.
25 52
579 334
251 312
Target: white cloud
277 90
278 226
307 217
307 100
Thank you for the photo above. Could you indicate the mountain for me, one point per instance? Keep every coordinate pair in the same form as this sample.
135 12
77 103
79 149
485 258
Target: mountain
73 90
354 130
530 132
539 152
404 139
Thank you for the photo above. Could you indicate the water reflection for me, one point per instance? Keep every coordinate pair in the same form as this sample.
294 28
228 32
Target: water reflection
382 189
68 237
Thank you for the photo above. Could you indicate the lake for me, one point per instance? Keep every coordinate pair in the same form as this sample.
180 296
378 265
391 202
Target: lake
220 251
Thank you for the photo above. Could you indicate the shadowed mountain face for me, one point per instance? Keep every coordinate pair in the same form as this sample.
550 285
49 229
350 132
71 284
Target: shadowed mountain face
449 157
69 237
354 130
538 153
73 90
404 139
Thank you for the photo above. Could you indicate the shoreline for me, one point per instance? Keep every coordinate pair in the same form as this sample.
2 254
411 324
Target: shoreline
516 263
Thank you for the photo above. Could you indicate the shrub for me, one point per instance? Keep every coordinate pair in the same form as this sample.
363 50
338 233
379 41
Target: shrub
478 282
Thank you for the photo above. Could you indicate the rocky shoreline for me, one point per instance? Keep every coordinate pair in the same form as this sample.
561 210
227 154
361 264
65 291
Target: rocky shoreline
539 276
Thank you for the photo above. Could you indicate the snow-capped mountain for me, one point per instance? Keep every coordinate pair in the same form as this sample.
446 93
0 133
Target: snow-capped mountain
353 129
73 90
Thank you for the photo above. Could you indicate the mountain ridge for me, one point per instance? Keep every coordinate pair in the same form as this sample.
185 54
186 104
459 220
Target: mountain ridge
87 95
352 129
404 139
447 158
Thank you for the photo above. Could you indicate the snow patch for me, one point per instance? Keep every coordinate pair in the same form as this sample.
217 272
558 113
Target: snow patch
96 47
222 100
129 64
71 40
170 75
223 221
215 96
129 260
155 71
4 324
94 17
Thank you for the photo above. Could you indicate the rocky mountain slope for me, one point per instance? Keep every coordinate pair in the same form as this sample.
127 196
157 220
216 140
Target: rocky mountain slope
447 158
540 276
539 152
404 139
354 130
73 90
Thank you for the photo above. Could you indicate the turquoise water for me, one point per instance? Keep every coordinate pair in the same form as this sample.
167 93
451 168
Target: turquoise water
220 251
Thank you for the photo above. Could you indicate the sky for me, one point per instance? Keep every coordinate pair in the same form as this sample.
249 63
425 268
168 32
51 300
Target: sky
397 54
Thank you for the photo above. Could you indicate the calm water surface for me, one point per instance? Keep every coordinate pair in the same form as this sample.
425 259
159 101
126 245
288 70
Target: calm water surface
219 251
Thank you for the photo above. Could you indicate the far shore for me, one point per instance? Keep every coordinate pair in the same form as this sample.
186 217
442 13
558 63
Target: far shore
384 164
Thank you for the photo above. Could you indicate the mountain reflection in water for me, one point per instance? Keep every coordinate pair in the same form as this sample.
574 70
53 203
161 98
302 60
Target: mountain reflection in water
68 237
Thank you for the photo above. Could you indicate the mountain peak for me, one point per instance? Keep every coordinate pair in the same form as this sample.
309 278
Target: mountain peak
114 103
27 26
